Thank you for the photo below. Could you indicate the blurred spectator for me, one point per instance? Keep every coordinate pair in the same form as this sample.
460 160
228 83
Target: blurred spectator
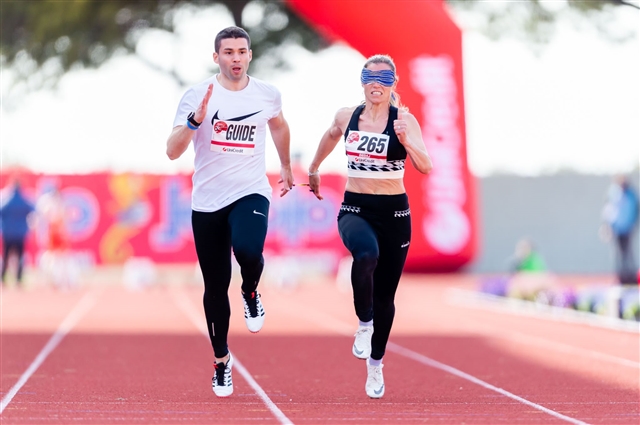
51 210
529 279
620 215
526 258
14 215
56 261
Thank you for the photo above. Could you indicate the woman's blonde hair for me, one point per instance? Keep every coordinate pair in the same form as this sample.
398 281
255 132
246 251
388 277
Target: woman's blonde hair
386 59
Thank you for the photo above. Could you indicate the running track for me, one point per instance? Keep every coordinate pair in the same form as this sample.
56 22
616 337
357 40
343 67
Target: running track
105 355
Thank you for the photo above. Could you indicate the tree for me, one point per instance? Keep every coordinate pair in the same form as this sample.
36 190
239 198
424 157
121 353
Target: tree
41 40
534 21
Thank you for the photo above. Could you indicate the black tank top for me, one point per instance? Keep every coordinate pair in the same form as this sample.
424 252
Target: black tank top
373 163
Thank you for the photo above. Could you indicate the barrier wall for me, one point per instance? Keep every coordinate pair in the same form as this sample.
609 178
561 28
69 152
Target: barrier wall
110 218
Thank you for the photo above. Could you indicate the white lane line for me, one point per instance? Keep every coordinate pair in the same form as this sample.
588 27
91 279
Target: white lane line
446 368
337 326
519 337
467 298
80 309
198 321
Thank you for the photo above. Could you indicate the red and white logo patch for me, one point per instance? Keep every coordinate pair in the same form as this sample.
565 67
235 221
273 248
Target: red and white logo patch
220 126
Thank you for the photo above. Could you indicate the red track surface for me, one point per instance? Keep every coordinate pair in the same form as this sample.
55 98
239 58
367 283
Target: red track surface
141 357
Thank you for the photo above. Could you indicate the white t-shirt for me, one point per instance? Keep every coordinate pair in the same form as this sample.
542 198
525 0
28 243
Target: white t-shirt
230 143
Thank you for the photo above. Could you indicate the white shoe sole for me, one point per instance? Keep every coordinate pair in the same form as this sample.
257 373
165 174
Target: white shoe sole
254 324
223 392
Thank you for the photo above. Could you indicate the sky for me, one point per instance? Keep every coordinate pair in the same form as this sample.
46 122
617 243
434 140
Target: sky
575 105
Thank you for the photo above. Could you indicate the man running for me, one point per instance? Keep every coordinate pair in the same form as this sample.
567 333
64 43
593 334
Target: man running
226 117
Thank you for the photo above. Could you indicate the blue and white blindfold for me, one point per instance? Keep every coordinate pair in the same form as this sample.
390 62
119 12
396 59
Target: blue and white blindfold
384 77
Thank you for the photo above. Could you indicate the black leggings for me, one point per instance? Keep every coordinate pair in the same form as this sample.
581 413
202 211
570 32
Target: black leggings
243 227
626 267
376 229
17 247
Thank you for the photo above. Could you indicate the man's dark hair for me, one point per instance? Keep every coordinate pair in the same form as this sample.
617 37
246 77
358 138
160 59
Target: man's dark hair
231 32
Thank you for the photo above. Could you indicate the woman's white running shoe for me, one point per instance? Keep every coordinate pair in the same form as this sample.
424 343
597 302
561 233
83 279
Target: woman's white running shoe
375 382
362 344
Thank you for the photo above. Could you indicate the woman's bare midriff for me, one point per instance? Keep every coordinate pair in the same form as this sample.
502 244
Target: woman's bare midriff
375 186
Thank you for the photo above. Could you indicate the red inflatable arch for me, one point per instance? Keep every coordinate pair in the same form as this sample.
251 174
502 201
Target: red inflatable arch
426 46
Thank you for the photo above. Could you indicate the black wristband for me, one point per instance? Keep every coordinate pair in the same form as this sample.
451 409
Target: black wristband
192 121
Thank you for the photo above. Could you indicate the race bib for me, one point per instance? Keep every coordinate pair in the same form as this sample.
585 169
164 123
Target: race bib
231 137
367 148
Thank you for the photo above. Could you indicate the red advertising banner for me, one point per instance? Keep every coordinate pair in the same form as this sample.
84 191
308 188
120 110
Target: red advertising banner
426 46
110 218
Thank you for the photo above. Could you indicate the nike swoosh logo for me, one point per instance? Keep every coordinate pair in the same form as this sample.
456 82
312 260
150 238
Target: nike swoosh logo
379 391
259 213
358 352
215 116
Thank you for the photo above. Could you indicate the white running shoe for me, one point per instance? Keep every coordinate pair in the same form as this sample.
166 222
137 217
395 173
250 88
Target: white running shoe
221 382
362 345
253 311
375 382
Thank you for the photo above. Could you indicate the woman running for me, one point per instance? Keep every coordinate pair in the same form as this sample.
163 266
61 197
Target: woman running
374 220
